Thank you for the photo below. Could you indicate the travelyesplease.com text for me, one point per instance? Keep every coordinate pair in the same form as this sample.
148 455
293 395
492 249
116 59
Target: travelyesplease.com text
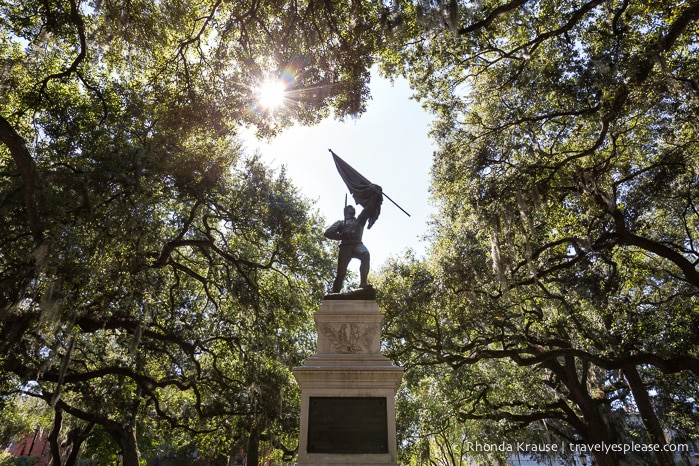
590 448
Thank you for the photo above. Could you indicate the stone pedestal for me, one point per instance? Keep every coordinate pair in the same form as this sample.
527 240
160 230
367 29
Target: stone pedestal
348 388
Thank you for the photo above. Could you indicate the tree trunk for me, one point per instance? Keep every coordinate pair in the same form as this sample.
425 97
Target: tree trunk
602 458
77 437
647 412
253 450
596 430
53 437
125 437
129 447
599 434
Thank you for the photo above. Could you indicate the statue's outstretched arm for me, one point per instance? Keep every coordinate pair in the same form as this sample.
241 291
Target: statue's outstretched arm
334 231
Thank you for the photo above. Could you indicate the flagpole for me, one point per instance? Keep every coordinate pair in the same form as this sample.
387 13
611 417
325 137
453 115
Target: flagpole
383 193
394 203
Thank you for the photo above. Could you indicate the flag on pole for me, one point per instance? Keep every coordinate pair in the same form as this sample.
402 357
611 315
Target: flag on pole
364 192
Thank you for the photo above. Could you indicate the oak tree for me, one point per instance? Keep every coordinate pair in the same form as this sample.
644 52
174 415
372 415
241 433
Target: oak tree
567 182
148 267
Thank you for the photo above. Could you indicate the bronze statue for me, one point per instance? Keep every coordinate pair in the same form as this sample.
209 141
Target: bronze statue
350 230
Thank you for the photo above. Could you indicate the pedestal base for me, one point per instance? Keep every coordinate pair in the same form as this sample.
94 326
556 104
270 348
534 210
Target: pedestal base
348 414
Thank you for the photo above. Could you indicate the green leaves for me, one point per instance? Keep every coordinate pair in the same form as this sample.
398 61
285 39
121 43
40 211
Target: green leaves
567 186
148 265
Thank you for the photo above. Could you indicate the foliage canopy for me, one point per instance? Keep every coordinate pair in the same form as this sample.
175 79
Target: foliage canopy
568 184
151 275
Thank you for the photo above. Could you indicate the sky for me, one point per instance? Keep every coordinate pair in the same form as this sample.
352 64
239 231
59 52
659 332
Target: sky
388 144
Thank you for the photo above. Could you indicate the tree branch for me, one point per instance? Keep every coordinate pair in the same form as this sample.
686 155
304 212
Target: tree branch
27 169
501 10
626 237
78 21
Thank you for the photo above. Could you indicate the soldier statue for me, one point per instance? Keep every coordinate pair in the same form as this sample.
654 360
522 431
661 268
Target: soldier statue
349 232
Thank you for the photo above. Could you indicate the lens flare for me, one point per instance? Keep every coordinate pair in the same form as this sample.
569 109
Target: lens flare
271 94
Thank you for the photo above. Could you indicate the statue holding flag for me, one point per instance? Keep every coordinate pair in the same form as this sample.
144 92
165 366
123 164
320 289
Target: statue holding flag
350 230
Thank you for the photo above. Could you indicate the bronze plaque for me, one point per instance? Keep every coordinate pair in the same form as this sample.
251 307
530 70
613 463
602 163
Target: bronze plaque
347 425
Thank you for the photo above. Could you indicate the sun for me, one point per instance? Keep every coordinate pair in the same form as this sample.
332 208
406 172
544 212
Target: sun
271 94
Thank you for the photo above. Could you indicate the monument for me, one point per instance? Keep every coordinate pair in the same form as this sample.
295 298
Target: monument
348 388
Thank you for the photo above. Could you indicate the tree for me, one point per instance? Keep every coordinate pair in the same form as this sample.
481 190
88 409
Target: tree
21 415
567 167
147 267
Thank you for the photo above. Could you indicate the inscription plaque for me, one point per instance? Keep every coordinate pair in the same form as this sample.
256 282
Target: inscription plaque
347 425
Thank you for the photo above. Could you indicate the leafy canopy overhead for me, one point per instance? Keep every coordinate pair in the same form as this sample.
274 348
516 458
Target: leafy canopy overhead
150 272
568 184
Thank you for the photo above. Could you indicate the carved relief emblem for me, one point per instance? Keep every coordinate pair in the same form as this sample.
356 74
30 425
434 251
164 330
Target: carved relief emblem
348 339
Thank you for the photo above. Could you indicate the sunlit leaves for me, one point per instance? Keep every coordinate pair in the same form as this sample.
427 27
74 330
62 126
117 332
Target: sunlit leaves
567 188
174 272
